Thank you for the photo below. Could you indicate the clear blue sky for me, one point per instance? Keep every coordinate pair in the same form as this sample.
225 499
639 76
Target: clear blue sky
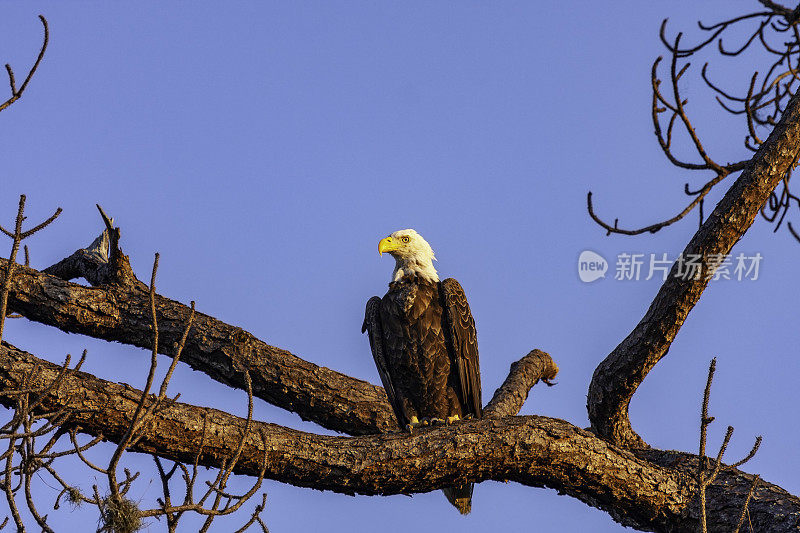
264 148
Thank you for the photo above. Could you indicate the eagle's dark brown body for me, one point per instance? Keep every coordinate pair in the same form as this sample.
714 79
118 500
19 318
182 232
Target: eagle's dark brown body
419 364
425 346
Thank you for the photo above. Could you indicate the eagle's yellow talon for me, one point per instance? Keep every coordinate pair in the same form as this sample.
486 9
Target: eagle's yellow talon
414 422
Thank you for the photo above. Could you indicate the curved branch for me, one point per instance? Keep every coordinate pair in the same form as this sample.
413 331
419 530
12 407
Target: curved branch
617 377
653 228
651 492
717 29
523 375
16 94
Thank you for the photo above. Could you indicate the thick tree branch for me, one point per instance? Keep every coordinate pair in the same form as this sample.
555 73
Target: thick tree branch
535 451
119 312
524 374
616 378
222 351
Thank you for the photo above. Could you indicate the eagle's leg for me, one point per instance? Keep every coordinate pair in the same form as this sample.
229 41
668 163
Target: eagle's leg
452 419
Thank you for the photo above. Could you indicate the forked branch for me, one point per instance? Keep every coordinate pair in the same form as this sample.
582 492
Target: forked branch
17 236
706 474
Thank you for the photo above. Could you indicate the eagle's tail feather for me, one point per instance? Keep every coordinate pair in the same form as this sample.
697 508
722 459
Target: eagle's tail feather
460 496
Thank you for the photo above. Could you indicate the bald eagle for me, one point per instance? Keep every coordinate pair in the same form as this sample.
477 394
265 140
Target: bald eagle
425 346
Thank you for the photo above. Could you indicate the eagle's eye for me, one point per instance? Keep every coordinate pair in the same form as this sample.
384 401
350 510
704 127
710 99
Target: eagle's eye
405 239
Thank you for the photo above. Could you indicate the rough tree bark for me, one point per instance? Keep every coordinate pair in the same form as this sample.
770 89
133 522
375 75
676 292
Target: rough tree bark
653 491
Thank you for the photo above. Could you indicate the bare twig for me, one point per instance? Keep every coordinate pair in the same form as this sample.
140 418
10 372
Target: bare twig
706 477
138 419
746 504
16 94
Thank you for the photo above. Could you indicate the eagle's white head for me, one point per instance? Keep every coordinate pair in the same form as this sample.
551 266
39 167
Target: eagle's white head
412 254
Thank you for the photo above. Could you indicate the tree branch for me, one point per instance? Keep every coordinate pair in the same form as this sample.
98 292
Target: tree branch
652 492
524 374
617 377
223 352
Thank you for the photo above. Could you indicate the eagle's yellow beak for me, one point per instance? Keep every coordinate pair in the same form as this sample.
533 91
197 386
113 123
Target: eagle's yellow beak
388 245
